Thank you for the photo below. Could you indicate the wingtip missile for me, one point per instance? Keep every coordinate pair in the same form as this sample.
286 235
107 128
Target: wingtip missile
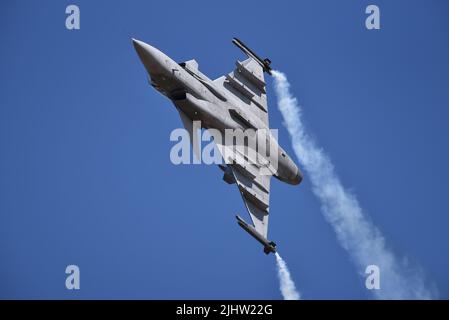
264 63
268 246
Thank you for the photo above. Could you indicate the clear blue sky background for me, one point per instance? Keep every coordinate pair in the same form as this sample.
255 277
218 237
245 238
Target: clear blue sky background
85 175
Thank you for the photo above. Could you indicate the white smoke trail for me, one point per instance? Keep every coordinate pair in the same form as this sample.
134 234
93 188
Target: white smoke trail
287 285
341 209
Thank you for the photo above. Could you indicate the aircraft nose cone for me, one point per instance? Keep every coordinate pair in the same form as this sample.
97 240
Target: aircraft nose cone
152 58
140 46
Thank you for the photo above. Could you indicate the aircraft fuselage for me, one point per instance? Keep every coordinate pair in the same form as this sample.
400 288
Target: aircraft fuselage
201 100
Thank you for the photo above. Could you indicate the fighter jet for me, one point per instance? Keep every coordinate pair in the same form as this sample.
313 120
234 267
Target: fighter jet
236 101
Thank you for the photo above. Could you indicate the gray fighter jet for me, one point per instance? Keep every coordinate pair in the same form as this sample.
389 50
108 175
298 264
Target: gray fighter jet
235 101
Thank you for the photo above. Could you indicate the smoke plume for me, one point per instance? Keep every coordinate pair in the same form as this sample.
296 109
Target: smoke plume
287 285
356 234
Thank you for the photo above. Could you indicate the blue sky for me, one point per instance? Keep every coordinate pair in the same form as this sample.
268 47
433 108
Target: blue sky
85 172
